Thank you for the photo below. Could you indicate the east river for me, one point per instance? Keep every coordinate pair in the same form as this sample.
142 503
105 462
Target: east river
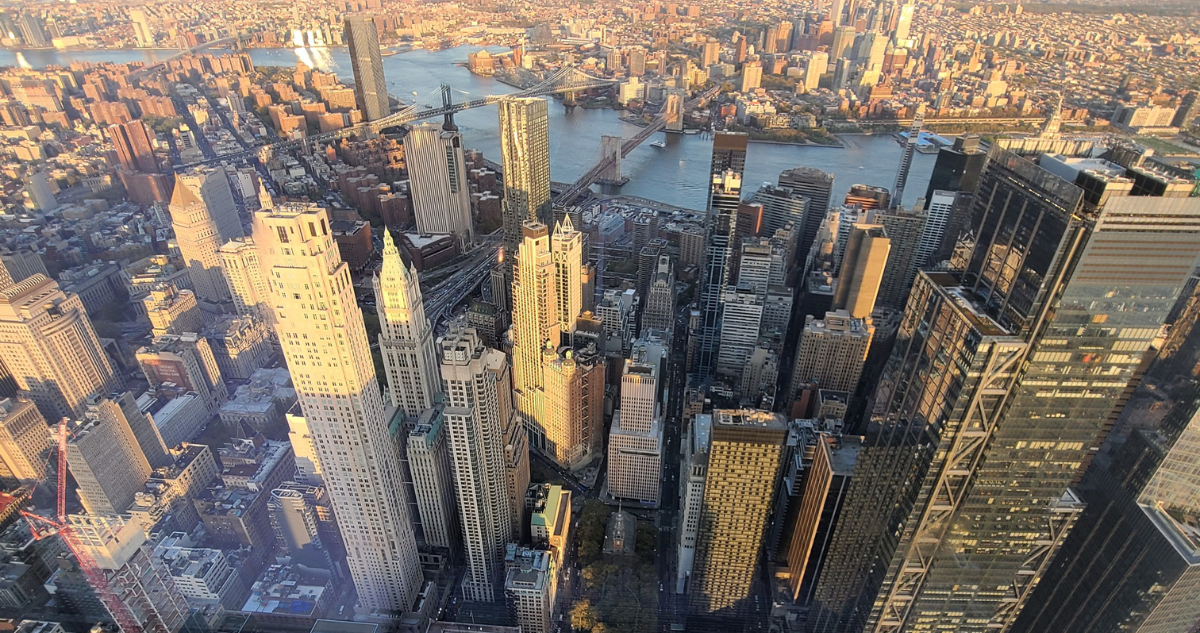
675 174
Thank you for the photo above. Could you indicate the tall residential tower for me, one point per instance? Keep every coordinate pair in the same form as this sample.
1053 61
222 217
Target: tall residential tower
320 328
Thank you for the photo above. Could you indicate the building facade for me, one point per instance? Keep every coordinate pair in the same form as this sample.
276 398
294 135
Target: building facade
478 409
406 338
321 330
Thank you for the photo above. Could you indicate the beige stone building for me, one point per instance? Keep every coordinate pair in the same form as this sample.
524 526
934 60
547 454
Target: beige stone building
172 311
25 440
320 328
204 217
48 345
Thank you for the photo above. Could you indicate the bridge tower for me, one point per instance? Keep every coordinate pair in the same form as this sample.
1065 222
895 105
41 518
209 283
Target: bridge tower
610 147
447 103
673 108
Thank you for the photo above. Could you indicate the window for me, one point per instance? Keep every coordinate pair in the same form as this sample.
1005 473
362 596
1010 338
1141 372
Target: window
283 236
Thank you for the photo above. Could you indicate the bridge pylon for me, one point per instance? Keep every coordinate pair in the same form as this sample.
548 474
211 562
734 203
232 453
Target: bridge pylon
610 148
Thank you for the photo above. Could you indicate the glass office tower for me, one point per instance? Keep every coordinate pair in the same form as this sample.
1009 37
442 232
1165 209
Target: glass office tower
1071 262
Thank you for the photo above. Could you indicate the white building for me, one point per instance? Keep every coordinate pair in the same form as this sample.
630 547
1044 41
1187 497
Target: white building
694 466
405 339
438 181
320 328
433 480
478 409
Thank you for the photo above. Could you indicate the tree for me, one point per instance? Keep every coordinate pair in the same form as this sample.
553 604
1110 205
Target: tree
583 616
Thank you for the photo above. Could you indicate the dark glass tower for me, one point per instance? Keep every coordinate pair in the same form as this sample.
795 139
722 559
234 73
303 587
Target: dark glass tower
725 190
369 86
994 401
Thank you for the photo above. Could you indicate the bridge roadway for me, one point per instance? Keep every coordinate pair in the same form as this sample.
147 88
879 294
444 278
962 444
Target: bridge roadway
564 80
195 49
659 123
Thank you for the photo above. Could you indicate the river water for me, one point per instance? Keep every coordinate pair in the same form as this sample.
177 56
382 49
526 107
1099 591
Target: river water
675 174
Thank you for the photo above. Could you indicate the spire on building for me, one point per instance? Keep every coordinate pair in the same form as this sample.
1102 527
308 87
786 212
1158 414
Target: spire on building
264 196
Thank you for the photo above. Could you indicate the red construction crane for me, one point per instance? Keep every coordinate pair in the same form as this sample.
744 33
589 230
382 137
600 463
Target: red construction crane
43 527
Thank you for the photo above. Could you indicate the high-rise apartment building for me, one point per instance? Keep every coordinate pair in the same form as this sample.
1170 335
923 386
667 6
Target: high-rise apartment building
566 249
321 330
244 275
573 401
204 216
525 151
25 441
478 410
438 181
710 53
370 87
635 439
743 464
142 32
106 459
535 321
433 480
964 496
817 186
135 147
406 338
48 345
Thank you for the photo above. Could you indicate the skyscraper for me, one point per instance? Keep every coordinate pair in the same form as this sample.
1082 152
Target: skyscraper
204 217
370 88
635 439
244 275
660 300
904 22
1131 561
438 181
724 195
525 150
965 491
535 321
134 146
478 407
817 186
50 348
433 480
142 33
406 338
743 464
573 402
320 328
105 459
566 249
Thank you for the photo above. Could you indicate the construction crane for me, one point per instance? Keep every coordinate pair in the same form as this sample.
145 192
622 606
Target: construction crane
43 527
